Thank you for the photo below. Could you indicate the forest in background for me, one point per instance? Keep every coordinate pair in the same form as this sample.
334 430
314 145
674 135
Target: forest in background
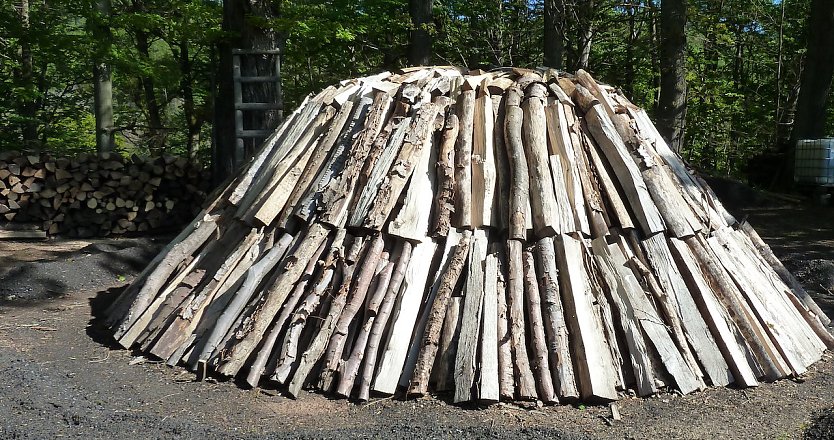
744 61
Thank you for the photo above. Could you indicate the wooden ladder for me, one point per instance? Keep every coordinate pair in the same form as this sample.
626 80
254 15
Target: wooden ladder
260 133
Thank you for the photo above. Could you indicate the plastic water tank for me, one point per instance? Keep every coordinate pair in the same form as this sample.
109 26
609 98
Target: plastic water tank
814 162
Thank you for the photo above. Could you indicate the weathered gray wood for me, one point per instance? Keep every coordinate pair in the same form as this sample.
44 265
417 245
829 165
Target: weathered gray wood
320 156
649 319
623 166
317 347
473 295
784 274
326 282
257 367
594 380
356 298
380 169
639 352
762 348
382 318
448 345
350 369
489 390
402 168
274 298
697 332
338 195
187 245
286 173
792 335
715 315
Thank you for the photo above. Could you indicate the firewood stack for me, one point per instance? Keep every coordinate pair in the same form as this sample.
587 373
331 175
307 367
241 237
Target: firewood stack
98 195
499 235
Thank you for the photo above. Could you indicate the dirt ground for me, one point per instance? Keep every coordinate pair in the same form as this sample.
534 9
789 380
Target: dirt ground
60 376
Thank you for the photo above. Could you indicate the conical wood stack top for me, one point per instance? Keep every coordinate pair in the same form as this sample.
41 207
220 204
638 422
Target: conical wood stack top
512 234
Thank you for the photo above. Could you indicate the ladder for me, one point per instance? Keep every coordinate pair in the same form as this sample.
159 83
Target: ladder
257 135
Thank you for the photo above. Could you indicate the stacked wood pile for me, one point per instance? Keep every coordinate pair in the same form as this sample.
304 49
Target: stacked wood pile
98 195
514 234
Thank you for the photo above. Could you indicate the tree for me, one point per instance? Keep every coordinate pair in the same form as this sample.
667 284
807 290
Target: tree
249 25
553 39
817 73
671 112
102 82
419 48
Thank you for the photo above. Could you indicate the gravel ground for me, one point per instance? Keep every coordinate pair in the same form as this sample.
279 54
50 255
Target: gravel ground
62 377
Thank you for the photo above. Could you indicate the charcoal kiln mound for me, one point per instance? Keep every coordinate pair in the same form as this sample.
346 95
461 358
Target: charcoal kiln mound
504 235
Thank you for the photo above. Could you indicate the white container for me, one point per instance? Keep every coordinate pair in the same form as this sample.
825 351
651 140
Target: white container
814 162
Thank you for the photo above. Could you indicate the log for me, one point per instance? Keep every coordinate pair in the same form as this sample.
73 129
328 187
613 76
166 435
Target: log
467 348
413 286
448 345
623 166
381 321
525 384
541 364
490 389
445 199
553 316
394 183
463 159
519 184
542 195
350 371
589 346
483 161
505 354
437 314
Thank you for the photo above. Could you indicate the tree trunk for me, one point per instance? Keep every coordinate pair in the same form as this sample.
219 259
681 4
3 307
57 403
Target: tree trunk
155 132
192 123
553 43
671 117
28 109
419 49
585 33
816 74
102 83
248 24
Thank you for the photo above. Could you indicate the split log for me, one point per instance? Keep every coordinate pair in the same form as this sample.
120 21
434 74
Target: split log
473 295
541 364
490 389
589 346
431 336
413 286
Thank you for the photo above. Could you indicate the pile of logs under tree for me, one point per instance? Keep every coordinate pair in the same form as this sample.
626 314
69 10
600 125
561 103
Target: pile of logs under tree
99 195
512 234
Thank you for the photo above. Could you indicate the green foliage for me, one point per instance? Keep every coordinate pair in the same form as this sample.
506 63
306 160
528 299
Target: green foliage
164 61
